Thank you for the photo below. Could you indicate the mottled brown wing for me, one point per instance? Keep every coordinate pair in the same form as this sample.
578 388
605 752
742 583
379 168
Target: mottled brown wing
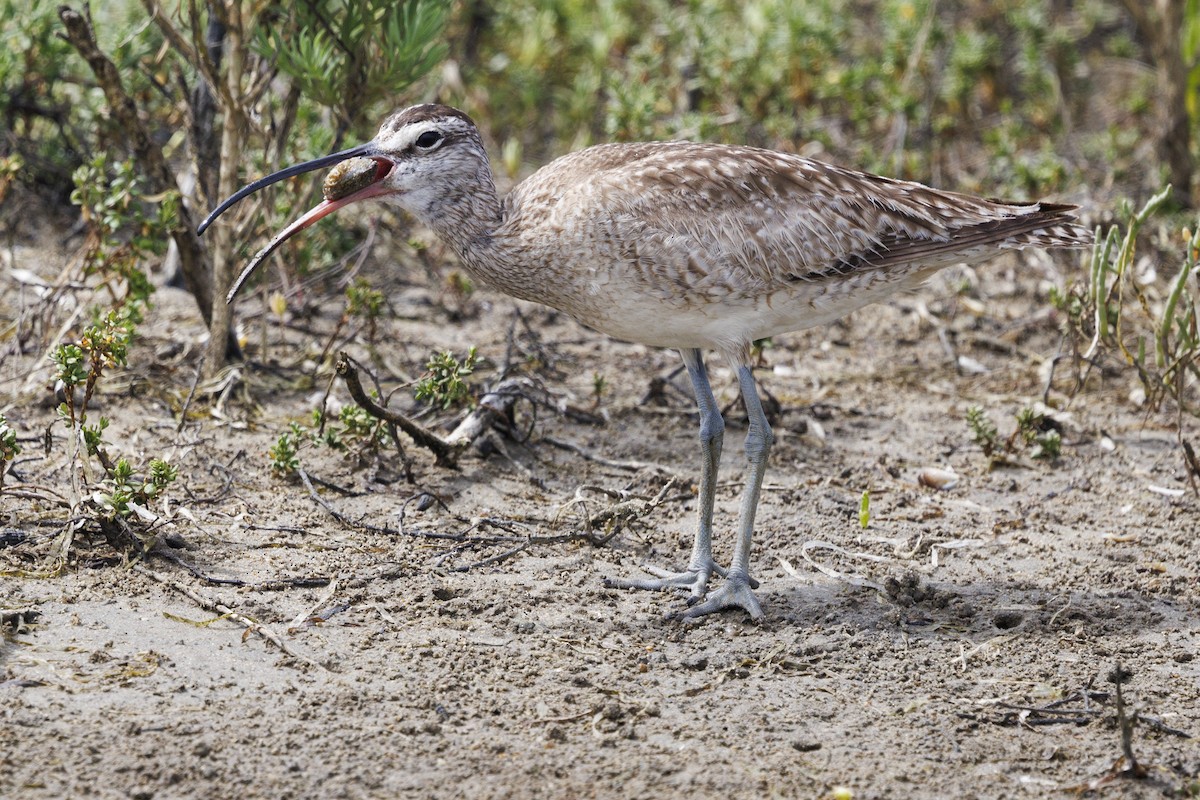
718 219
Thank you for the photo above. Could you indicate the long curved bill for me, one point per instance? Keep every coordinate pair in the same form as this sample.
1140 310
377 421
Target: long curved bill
372 189
325 208
283 174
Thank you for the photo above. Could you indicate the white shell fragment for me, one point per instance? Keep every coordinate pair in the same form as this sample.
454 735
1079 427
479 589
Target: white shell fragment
937 478
970 366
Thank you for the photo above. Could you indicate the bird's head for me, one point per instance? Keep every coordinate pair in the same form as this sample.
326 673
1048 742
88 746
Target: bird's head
424 158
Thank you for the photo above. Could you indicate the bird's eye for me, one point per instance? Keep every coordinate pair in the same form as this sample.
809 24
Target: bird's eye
429 139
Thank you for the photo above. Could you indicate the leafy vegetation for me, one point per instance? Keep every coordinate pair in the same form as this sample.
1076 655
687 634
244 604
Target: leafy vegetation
46 138
285 453
444 383
9 449
125 229
1035 435
352 56
983 431
120 233
1122 310
979 91
120 494
365 303
353 432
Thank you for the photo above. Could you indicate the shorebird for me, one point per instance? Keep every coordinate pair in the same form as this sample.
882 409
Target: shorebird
697 247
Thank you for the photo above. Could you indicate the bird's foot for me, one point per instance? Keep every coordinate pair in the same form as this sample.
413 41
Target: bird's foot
694 579
736 593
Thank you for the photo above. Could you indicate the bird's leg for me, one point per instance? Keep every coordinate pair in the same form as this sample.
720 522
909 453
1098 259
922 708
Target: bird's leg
737 590
712 430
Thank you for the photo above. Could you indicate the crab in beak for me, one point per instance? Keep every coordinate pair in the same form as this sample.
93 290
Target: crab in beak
357 174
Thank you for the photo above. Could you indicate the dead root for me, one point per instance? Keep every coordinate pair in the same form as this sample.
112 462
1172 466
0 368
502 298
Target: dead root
496 405
445 454
612 519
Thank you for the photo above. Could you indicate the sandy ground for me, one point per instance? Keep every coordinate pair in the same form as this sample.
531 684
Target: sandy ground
961 645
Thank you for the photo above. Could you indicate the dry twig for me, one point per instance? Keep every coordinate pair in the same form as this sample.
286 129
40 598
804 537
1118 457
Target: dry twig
208 604
445 453
333 512
261 586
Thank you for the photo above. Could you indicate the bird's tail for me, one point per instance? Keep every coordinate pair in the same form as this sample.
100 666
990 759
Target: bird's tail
1048 225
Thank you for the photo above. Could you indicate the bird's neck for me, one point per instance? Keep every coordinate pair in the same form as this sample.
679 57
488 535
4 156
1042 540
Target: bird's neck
468 220
464 214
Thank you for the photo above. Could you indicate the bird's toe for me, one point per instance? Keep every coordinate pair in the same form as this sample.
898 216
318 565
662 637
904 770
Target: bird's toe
693 580
736 593
721 572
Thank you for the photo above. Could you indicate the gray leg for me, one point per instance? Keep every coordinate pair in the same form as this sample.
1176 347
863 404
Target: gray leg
712 430
736 593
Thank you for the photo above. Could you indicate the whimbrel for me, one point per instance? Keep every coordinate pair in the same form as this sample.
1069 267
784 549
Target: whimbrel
683 245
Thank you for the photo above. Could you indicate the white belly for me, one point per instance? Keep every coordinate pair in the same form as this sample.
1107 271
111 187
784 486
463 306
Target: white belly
732 323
